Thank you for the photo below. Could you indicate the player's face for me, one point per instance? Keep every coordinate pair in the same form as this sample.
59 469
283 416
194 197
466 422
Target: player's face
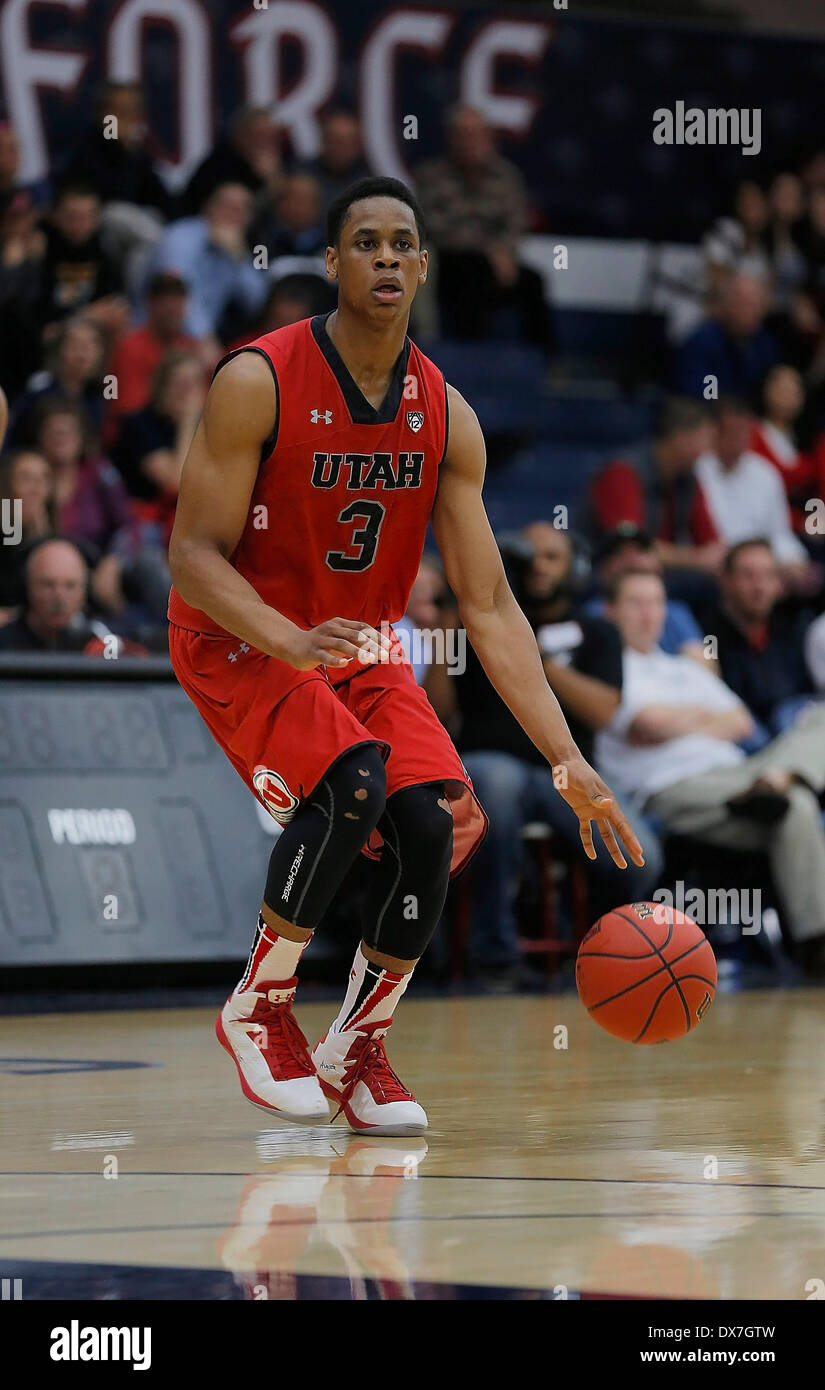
379 263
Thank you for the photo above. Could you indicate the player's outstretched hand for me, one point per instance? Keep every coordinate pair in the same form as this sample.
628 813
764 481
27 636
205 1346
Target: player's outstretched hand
592 800
336 642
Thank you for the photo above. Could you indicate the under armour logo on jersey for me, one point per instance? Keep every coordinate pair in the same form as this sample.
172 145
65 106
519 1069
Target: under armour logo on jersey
316 416
415 419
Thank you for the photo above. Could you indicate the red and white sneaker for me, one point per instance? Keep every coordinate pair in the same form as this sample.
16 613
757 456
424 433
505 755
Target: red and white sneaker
259 1031
353 1070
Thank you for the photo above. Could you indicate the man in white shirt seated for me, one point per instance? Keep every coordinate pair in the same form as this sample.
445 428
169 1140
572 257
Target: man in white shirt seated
672 749
745 496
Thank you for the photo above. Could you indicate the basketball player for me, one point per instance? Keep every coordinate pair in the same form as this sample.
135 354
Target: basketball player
323 451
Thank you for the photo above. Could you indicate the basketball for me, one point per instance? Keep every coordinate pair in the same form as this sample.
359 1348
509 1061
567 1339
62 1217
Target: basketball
646 973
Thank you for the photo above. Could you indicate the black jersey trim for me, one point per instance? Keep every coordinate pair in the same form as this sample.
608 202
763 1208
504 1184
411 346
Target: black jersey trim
361 412
272 438
446 421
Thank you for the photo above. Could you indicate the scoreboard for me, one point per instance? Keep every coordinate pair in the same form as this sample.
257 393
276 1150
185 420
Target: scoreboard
125 835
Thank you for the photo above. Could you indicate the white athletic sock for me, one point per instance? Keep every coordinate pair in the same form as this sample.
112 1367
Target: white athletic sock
372 995
273 958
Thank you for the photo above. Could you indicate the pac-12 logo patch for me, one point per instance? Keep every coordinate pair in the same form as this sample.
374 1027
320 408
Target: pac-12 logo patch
415 419
275 794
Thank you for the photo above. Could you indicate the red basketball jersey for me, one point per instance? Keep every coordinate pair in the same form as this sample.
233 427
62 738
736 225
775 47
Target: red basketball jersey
339 511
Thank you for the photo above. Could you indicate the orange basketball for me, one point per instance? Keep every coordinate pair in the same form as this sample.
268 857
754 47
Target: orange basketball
646 973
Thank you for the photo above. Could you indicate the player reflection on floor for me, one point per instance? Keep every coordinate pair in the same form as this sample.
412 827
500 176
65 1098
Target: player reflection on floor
281 1213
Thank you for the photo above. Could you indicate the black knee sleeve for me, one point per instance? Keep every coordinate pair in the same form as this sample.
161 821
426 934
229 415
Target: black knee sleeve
322 839
409 885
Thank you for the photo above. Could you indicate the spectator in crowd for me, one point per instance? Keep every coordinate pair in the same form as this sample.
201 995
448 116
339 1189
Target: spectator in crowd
815 653
26 484
423 617
249 154
9 165
55 616
672 750
21 250
786 209
154 442
475 207
341 159
745 495
74 367
774 437
735 245
113 157
77 272
654 488
733 349
629 548
813 170
137 356
812 239
55 592
293 224
582 661
290 299
811 311
12 189
761 646
92 507
211 254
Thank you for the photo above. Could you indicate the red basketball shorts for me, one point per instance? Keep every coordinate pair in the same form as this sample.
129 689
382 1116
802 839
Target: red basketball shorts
283 729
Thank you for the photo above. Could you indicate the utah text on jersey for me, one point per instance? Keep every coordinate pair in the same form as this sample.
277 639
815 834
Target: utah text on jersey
367 471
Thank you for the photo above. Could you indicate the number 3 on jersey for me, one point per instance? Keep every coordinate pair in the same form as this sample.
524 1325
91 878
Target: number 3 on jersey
365 537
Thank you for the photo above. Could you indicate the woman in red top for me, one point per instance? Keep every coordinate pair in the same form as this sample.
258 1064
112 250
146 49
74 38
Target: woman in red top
774 438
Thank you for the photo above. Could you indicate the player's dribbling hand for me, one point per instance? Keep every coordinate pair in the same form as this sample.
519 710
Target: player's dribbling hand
592 800
335 643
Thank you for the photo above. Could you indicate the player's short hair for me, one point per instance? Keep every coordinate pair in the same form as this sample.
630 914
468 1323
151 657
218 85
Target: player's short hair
372 187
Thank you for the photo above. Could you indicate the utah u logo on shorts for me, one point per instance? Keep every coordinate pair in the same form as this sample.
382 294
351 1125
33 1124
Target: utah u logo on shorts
275 794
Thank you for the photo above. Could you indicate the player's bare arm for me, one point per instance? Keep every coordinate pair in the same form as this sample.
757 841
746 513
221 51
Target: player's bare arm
502 636
216 488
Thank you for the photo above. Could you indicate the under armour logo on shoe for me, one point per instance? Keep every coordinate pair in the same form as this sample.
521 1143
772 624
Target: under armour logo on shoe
316 416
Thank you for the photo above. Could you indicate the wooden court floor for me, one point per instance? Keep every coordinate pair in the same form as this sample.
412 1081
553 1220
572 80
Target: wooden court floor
689 1170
